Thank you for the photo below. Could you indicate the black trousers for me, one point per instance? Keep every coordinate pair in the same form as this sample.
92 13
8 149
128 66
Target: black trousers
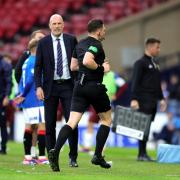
3 128
147 107
60 92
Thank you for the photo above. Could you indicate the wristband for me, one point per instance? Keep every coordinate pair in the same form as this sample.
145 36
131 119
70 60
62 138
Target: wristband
100 68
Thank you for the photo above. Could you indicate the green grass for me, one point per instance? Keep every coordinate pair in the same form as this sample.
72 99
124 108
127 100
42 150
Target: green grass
124 167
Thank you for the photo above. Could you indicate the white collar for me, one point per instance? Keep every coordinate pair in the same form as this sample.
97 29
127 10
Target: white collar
54 38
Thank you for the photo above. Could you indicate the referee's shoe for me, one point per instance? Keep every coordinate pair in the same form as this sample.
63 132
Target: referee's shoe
53 160
100 161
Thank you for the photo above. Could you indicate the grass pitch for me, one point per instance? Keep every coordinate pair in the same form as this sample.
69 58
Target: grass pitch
124 166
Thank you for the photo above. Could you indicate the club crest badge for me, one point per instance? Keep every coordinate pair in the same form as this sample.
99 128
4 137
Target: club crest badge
150 66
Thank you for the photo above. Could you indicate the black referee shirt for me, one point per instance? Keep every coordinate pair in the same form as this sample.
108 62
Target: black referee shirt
94 46
146 83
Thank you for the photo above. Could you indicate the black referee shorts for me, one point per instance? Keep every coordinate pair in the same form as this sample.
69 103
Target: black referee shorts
90 93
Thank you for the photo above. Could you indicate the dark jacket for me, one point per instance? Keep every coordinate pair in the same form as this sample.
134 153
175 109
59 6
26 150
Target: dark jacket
5 78
146 83
44 67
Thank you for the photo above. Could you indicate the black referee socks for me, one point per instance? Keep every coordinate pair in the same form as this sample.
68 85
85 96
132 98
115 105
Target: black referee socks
64 133
101 138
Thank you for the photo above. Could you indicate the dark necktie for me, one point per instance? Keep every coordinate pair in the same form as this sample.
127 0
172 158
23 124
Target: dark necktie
59 59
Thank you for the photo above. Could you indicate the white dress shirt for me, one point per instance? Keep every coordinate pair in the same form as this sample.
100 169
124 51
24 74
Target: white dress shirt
66 73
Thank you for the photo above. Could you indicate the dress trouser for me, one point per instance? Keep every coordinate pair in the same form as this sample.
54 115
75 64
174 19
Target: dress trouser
60 93
3 128
149 108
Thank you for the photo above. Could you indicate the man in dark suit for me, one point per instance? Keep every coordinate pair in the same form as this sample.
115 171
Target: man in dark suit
54 80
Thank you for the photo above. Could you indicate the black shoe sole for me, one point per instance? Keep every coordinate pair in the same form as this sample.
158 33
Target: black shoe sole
103 166
145 160
53 162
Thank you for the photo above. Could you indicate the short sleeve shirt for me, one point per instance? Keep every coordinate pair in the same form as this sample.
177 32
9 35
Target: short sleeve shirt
93 46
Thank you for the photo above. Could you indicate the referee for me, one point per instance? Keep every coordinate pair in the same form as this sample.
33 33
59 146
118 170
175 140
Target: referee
146 88
89 60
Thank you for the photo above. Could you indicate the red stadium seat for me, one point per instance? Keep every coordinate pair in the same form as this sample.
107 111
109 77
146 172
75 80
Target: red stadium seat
67 27
24 40
92 2
134 6
2 30
23 15
109 19
79 18
79 23
115 8
77 5
99 13
79 28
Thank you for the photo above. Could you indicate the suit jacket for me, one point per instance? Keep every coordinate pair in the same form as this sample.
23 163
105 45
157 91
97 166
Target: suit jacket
45 64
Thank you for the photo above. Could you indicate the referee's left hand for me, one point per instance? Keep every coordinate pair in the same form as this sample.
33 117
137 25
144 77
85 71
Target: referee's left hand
106 66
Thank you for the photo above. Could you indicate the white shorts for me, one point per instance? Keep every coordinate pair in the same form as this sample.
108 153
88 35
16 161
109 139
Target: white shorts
34 115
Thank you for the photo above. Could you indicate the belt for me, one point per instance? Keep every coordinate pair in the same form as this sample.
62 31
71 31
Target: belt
60 81
90 83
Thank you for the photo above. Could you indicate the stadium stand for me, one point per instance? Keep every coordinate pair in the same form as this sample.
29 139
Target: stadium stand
25 16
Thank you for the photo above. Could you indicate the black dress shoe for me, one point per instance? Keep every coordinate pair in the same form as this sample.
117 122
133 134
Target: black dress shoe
140 158
148 158
145 158
3 152
100 161
53 160
73 163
